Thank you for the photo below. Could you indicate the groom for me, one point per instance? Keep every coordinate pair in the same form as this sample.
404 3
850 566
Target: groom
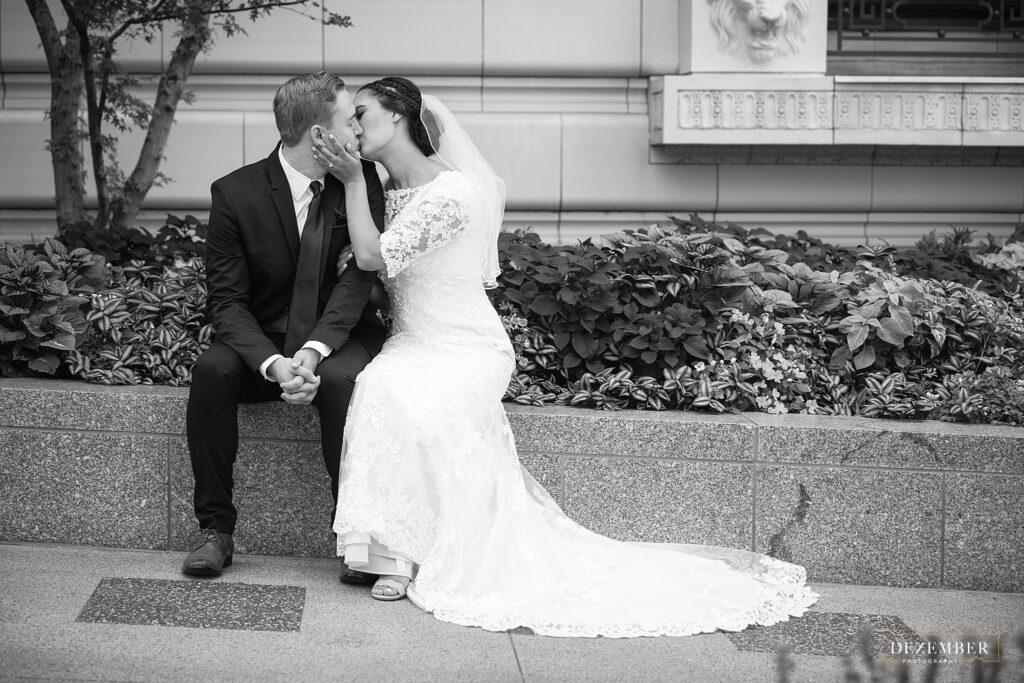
286 324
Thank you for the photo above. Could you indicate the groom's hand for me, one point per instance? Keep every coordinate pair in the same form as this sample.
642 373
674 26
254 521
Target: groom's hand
309 359
298 383
343 258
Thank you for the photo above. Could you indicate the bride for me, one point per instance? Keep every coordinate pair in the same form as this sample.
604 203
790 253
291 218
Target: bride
432 497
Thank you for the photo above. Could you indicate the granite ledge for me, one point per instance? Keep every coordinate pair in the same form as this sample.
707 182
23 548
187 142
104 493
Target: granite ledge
797 439
896 444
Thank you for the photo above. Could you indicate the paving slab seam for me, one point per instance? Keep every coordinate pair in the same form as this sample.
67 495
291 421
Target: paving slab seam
515 654
752 461
170 493
942 533
154 435
65 430
753 488
884 468
633 456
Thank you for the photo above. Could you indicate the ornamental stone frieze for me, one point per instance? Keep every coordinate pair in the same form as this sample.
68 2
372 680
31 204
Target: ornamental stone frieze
910 113
725 110
755 109
992 115
740 109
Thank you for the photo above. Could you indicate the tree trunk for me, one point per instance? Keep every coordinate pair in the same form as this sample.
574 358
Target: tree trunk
195 34
65 69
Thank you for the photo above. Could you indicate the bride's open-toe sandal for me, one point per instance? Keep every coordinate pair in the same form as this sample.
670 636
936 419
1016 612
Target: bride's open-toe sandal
389 588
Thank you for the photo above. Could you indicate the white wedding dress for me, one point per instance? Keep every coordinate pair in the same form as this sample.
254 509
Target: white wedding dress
430 475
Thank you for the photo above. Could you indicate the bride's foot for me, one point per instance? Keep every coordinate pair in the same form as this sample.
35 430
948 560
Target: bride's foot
390 588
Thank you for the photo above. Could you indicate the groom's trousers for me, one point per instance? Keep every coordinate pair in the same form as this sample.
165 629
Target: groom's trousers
220 382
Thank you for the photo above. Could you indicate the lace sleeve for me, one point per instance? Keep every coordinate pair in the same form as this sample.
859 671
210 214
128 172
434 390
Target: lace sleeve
431 223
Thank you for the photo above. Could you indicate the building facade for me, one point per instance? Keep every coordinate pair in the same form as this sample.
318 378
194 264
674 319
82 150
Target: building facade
846 118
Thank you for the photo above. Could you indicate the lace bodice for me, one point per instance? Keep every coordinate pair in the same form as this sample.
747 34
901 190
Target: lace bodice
431 269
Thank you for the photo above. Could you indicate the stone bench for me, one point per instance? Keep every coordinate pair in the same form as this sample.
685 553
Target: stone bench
855 500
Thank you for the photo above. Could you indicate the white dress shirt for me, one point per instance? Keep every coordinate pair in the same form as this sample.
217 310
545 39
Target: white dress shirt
301 198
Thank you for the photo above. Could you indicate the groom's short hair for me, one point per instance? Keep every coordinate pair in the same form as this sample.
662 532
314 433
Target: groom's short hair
304 101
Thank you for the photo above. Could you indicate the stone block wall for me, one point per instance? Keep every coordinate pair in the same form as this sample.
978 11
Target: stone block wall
555 95
855 500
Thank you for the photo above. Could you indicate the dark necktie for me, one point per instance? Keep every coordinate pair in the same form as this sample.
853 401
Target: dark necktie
306 291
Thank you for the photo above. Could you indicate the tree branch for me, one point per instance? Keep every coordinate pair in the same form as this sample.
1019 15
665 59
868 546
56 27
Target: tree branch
180 16
48 32
62 59
93 113
195 34
74 18
146 19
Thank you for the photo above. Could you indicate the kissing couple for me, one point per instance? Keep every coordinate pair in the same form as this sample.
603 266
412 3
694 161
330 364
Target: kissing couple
431 500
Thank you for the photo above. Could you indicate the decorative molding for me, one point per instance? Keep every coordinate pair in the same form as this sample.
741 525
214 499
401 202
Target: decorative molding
754 109
903 112
737 109
895 64
842 155
255 93
741 109
994 112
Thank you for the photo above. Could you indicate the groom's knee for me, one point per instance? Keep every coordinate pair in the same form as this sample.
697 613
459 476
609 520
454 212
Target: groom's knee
218 366
335 377
338 371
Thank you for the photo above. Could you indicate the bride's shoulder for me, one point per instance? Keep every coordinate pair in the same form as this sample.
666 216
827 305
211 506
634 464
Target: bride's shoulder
452 182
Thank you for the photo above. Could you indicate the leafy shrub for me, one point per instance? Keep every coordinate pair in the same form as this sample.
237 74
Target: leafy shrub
178 238
42 294
1009 258
723 320
949 256
149 326
645 302
693 315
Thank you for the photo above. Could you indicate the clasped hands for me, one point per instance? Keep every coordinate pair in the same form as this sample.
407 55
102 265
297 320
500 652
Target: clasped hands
296 376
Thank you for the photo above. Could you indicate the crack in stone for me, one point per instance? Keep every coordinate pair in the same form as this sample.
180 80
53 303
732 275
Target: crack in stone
777 547
921 440
846 456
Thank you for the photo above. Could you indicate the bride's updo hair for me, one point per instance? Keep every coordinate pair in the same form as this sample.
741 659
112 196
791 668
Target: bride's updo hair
401 96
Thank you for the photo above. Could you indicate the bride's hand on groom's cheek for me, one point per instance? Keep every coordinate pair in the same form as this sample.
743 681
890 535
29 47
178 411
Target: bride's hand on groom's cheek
341 161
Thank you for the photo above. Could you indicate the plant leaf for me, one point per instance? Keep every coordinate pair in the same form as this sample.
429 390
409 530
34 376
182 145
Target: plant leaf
857 336
584 345
865 358
544 305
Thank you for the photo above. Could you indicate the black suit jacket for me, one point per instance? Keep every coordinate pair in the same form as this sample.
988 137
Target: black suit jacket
251 253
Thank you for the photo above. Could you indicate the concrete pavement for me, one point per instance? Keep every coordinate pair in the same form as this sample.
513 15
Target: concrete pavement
88 613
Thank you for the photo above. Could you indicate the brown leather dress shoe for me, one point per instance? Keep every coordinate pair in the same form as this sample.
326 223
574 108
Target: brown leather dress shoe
213 553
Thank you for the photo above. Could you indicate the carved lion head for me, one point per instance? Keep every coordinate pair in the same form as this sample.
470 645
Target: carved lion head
761 30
